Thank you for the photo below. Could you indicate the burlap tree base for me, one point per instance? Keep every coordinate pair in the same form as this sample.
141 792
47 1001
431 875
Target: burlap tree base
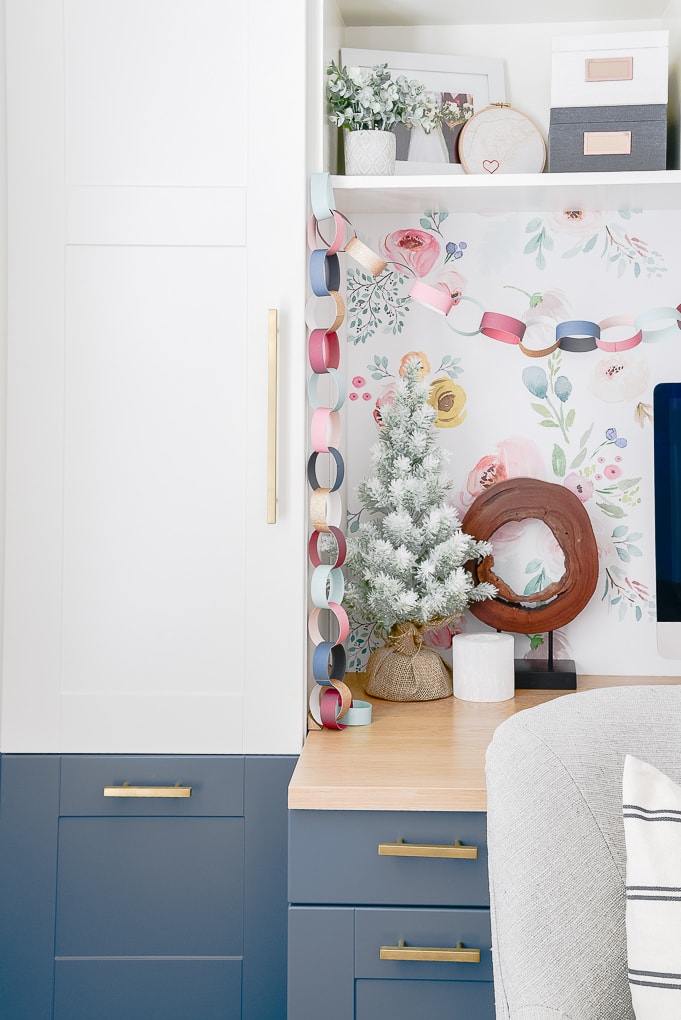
404 669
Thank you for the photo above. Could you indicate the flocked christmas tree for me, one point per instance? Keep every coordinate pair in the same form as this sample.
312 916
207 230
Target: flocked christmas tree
407 562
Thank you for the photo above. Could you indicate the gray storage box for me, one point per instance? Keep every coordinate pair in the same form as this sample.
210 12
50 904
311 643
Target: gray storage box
583 138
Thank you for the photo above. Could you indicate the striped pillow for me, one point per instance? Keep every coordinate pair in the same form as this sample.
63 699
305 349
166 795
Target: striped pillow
652 831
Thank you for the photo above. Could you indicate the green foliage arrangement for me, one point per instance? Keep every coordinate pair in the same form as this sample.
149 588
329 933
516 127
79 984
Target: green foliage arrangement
371 100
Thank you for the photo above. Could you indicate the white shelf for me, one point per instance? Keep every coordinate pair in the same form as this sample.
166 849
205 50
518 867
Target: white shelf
463 12
659 189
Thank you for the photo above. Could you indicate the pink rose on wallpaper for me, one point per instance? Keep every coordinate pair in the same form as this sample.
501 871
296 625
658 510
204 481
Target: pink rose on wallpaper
582 487
386 398
579 222
551 303
450 282
607 551
619 378
417 249
514 457
441 638
561 648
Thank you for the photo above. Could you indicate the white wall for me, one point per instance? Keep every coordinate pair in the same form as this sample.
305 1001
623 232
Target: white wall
3 301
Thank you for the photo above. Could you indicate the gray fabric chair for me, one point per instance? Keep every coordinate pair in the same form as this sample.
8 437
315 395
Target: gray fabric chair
556 848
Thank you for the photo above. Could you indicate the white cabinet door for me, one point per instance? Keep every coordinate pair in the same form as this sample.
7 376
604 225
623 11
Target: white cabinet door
156 201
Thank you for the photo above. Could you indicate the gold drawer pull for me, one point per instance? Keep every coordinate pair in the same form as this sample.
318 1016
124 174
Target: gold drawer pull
402 849
126 790
457 954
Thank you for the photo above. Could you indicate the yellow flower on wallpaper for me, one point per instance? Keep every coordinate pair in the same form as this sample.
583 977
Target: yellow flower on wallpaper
448 399
424 368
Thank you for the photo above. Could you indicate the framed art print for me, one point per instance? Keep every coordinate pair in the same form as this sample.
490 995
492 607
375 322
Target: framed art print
466 84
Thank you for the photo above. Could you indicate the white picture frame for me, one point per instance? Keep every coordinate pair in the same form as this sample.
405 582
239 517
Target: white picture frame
479 78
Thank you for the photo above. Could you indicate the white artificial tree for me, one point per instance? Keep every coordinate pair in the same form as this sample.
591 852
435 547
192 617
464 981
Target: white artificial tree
406 563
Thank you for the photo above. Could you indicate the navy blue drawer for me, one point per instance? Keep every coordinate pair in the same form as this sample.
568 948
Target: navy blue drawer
334 858
147 990
217 785
150 887
442 1000
422 928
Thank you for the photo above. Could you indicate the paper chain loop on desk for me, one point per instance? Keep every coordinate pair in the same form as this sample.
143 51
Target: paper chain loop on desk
359 713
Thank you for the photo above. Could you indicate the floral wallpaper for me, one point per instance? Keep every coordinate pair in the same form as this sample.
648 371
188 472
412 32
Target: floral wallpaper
578 419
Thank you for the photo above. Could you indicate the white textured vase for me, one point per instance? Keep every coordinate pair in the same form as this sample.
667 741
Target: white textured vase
369 153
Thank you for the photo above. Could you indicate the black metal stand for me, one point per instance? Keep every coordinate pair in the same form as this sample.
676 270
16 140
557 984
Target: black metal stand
546 675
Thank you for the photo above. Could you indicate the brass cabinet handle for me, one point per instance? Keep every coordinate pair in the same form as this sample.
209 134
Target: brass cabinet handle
402 849
455 954
273 335
126 790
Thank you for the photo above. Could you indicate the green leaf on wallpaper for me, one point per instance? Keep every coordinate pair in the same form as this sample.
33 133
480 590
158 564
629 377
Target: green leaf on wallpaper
626 483
573 251
621 268
558 460
549 424
585 438
384 362
620 531
532 244
533 225
623 554
615 257
535 585
540 261
625 212
611 510
570 418
638 612
354 527
591 243
533 566
540 409
425 224
443 216
637 269
635 536
579 459
548 242
633 550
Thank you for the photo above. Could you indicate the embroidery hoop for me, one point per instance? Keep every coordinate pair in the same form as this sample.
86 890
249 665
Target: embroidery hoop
501 140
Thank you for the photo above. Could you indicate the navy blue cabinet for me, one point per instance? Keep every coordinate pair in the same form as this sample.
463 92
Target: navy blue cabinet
147 902
389 915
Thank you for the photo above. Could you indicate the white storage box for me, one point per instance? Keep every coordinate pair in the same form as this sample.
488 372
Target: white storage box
619 69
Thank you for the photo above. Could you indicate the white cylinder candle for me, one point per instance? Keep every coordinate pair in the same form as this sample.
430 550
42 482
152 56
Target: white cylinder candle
484 667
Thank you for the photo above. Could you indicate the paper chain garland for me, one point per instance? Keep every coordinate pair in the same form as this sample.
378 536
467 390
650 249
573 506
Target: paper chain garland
574 335
331 702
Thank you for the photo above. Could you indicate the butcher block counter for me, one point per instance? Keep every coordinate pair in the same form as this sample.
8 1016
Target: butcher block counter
415 756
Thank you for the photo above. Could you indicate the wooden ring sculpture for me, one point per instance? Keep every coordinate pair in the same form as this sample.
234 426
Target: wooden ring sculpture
519 499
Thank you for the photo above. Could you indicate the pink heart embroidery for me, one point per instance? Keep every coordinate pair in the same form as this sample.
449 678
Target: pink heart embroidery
490 165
